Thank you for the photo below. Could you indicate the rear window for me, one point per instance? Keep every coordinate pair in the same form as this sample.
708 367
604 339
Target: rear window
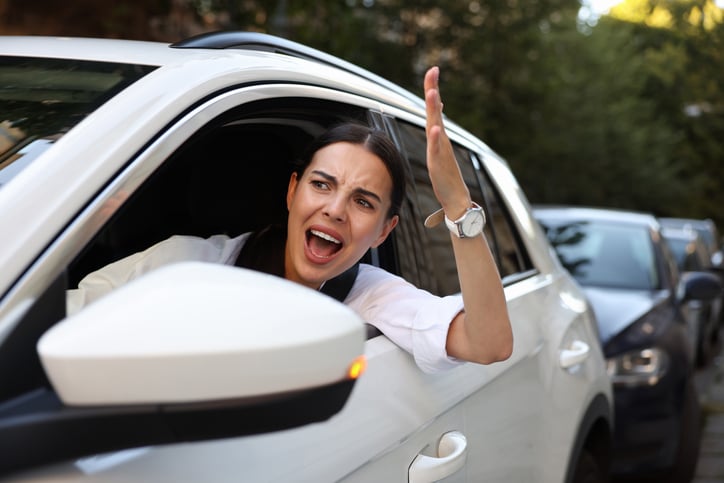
42 99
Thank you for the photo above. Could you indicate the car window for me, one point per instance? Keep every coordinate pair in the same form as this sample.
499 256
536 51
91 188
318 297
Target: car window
605 254
229 178
508 249
499 232
42 99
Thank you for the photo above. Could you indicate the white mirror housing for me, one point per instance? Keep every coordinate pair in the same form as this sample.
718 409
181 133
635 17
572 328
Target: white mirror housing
194 332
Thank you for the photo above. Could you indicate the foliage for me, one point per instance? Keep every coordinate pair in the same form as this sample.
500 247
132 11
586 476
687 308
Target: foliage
684 64
593 139
628 113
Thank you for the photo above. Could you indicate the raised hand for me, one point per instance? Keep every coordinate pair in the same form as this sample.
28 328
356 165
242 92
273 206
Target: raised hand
447 181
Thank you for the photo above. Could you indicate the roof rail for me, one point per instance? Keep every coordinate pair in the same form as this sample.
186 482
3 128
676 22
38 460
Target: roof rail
271 43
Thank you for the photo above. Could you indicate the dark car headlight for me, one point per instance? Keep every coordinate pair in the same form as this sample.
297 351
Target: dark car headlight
641 367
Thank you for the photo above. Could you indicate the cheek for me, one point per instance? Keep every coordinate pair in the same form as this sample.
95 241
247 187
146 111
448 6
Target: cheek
369 229
299 203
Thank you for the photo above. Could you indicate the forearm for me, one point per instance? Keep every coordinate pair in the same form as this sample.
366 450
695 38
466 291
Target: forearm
482 333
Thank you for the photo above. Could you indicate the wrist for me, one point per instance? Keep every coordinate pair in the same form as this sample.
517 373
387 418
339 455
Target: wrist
457 208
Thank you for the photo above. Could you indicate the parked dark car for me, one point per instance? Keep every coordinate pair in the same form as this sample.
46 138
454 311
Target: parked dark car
641 301
692 254
708 232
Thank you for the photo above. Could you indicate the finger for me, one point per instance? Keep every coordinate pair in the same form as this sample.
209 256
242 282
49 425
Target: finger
432 109
433 103
432 77
433 140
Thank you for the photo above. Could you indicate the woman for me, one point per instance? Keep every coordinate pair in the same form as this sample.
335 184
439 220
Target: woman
344 200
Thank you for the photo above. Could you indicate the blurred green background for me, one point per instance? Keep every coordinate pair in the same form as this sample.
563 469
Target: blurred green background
617 108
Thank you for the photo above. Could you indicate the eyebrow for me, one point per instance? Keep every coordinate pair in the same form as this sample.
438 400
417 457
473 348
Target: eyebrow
333 180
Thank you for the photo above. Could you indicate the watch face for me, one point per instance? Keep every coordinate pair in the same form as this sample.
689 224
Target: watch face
472 225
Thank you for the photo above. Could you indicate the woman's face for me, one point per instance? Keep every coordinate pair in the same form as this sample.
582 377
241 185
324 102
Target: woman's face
337 210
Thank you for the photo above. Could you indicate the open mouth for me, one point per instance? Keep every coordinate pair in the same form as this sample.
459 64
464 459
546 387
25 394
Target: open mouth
322 244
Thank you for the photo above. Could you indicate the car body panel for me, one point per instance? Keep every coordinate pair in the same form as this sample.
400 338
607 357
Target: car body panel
617 309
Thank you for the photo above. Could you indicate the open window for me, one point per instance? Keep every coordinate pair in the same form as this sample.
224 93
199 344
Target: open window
229 178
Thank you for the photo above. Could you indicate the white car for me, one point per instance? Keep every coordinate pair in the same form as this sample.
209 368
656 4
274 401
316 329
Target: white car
198 372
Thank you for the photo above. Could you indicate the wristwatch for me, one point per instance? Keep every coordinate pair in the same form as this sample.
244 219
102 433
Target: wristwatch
470 224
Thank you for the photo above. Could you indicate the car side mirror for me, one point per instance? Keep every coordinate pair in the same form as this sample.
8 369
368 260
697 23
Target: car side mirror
699 286
188 352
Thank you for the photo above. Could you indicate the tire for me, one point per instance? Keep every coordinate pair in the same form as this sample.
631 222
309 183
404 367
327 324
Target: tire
707 342
687 455
588 470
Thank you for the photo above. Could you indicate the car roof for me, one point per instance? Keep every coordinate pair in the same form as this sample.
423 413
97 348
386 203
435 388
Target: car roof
689 223
680 233
107 50
242 45
596 214
239 57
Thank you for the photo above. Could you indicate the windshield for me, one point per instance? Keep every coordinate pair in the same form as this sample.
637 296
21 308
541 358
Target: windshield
42 99
605 254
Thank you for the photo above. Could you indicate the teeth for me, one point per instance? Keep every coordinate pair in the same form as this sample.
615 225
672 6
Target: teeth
326 237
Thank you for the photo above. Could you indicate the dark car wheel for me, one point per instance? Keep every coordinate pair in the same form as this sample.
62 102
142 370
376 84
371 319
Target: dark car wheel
588 470
707 343
689 439
683 468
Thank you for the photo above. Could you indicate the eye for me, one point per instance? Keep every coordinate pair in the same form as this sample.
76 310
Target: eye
364 203
321 185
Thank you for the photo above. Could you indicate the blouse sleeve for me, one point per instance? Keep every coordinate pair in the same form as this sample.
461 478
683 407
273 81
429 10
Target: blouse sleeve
412 318
217 249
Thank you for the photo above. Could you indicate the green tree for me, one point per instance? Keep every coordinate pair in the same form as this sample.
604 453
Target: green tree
595 139
628 114
685 81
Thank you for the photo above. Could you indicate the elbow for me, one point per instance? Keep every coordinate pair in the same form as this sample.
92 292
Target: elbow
498 352
505 351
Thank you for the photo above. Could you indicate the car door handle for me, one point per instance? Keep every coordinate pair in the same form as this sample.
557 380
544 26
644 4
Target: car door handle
451 455
576 354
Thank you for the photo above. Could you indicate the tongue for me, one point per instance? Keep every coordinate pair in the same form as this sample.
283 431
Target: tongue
321 247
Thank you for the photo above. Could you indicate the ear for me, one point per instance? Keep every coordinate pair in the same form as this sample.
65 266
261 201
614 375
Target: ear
291 189
389 225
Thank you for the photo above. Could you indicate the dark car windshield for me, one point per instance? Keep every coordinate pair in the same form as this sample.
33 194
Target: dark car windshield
42 99
604 254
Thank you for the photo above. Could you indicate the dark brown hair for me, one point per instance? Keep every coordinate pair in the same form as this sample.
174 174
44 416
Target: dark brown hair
373 140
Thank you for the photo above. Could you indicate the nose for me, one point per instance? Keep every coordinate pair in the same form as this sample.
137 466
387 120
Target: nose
336 208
